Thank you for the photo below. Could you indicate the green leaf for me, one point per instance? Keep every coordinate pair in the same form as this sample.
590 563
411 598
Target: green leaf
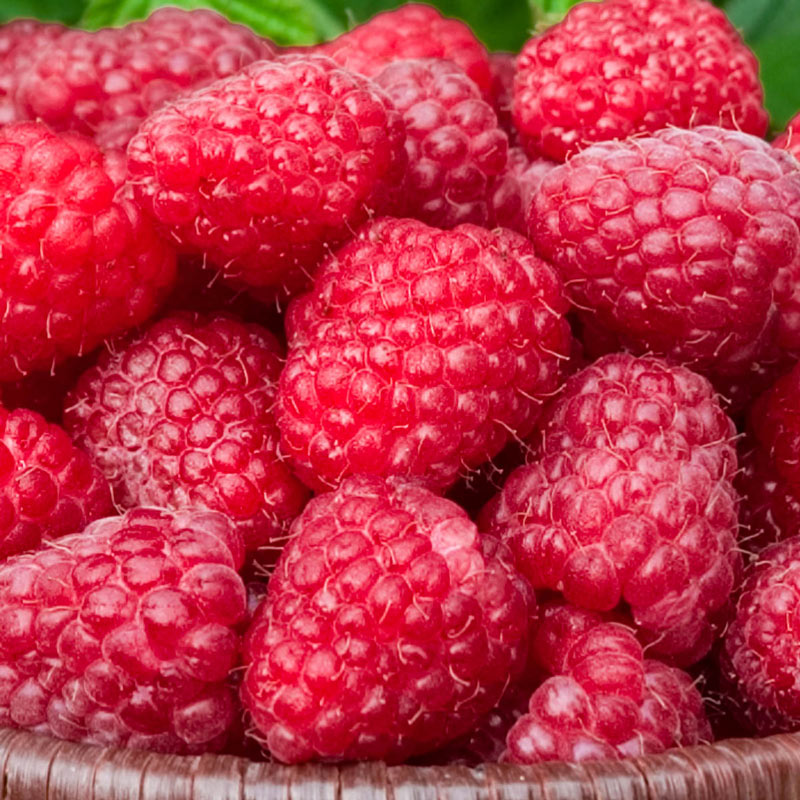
772 29
67 11
284 21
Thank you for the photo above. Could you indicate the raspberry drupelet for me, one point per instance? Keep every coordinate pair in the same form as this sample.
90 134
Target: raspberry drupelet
628 499
606 700
21 41
79 262
622 67
677 244
261 174
790 138
454 144
770 479
124 635
48 487
419 352
182 415
409 32
391 626
104 83
761 656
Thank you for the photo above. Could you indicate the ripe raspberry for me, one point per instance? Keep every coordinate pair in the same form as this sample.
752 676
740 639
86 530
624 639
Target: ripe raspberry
511 192
123 635
79 263
20 43
486 743
631 501
790 138
454 145
182 416
263 172
504 69
44 392
770 509
203 289
411 31
49 487
762 649
614 69
770 479
390 627
104 83
608 702
419 352
672 242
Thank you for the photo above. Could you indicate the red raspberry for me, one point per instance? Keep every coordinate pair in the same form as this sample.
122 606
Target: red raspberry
411 31
49 487
631 501
44 392
770 478
263 172
614 69
390 627
608 701
123 635
454 145
672 242
21 41
79 262
512 191
203 289
762 649
770 509
104 83
504 70
790 138
486 743
182 416
419 352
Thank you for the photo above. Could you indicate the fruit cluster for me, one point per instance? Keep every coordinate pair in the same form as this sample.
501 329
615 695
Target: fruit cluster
390 399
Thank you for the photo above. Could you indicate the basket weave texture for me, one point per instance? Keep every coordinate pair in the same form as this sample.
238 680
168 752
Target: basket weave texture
40 768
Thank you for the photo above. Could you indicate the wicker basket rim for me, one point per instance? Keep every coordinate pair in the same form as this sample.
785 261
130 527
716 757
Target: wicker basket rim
39 767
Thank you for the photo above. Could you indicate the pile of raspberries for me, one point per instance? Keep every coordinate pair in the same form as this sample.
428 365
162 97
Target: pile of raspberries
388 399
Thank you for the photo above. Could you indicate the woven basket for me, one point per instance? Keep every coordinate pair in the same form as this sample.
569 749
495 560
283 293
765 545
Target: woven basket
40 768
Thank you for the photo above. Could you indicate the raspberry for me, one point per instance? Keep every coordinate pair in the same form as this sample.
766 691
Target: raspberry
762 650
123 635
790 138
20 43
263 172
79 262
512 191
454 145
631 500
770 510
608 701
409 32
49 487
672 242
419 352
504 69
104 83
486 743
44 392
390 627
770 479
202 289
614 69
182 416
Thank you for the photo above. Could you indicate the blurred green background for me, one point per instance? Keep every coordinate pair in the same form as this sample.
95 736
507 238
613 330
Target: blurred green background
771 27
